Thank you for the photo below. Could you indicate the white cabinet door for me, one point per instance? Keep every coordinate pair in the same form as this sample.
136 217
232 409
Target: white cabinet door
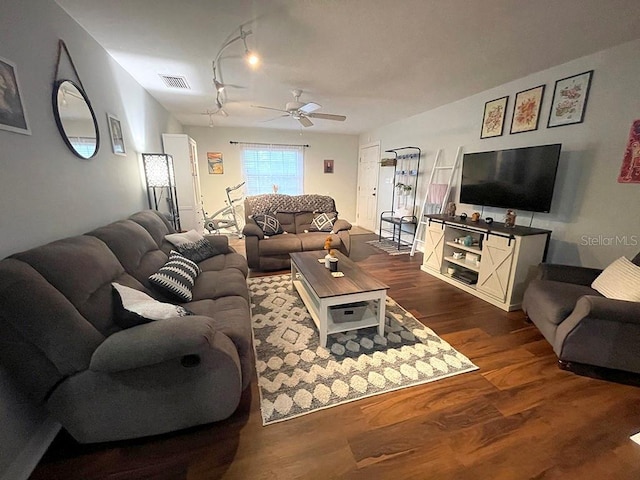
433 246
495 266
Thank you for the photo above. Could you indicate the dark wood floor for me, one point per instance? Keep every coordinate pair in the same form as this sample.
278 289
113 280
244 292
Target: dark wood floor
518 417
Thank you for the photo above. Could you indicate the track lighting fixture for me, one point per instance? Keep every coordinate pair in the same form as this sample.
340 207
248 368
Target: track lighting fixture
219 86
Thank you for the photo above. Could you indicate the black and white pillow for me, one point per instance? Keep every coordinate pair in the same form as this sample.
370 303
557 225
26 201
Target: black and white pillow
198 251
133 307
323 222
177 276
268 224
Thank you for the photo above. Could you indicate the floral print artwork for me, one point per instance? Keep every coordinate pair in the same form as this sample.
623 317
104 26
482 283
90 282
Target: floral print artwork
527 110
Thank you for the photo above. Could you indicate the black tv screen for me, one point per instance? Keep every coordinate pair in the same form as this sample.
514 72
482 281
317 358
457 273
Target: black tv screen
518 178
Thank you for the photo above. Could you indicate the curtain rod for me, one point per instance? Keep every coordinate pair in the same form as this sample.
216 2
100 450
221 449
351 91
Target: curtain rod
268 144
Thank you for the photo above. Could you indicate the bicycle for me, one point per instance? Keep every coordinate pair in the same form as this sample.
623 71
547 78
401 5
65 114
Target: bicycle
227 217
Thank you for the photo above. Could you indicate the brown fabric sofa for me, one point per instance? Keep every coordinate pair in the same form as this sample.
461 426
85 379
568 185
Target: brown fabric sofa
61 343
584 327
295 214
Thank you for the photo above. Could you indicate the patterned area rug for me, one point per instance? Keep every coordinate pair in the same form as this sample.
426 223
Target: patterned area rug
297 376
390 247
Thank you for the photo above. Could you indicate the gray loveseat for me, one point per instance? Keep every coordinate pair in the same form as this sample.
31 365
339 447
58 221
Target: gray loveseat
60 342
584 327
295 215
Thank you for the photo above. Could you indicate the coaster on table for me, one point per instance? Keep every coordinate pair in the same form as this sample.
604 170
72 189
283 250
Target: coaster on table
337 274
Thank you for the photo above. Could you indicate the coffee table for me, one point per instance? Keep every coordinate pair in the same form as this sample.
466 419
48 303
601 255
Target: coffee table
319 291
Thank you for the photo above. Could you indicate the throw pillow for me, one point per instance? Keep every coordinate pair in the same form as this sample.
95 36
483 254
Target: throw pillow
198 251
178 239
323 222
176 277
620 280
133 307
268 224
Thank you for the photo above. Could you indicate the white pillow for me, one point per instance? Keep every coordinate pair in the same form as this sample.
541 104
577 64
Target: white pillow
620 280
134 307
178 239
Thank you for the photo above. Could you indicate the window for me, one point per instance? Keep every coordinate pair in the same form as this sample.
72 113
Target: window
267 165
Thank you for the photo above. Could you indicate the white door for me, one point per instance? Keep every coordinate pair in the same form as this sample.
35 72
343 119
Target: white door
495 266
433 246
368 167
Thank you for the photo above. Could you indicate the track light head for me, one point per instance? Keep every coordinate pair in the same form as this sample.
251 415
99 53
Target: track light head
219 86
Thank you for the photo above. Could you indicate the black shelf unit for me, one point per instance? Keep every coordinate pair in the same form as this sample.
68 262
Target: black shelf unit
394 226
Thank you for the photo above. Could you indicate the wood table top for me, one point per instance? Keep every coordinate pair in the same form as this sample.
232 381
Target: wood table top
319 277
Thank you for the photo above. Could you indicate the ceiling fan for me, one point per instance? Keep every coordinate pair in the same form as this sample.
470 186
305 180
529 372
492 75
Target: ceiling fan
303 112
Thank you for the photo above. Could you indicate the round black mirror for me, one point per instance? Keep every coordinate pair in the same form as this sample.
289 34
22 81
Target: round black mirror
75 118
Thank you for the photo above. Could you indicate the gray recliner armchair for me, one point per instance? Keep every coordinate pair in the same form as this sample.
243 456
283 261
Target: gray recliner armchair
584 327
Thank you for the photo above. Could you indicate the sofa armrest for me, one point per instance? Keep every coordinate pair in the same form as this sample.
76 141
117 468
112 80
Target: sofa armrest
341 225
219 242
601 331
567 273
253 230
153 343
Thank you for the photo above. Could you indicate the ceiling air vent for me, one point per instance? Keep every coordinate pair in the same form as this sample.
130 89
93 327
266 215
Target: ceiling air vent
175 81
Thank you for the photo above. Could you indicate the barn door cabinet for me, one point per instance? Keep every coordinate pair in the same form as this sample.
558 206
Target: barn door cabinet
492 262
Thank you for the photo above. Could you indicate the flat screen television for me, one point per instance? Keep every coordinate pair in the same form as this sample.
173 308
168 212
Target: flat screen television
517 178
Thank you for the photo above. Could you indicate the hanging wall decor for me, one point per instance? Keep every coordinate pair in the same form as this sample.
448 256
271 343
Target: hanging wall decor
13 116
215 163
117 139
526 111
570 100
328 166
493 119
630 171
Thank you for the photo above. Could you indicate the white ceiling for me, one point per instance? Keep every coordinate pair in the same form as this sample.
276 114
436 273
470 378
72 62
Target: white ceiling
375 61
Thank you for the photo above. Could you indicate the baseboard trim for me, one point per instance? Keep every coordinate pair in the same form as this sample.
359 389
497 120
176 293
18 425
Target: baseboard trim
24 464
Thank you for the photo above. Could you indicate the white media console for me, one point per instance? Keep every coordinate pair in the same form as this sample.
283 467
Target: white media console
496 266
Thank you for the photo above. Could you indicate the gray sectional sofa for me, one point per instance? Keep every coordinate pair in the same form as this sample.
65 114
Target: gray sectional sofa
295 215
60 341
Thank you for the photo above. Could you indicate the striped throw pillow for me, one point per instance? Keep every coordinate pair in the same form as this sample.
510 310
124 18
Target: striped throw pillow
620 280
176 277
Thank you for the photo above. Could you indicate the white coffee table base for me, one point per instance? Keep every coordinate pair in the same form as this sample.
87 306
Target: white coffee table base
320 313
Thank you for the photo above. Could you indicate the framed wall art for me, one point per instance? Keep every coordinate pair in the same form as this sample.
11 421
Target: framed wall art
526 111
215 164
13 116
115 132
328 166
570 100
493 119
630 170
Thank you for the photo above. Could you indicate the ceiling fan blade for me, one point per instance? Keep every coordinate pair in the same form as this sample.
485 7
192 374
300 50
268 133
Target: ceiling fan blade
274 118
269 108
328 116
309 107
305 122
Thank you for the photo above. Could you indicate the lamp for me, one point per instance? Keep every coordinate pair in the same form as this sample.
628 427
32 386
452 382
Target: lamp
160 178
251 58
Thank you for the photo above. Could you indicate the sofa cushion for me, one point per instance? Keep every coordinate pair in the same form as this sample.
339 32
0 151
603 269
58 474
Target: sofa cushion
620 281
226 260
269 224
280 244
154 223
315 241
198 251
133 307
287 221
176 277
323 222
553 300
223 283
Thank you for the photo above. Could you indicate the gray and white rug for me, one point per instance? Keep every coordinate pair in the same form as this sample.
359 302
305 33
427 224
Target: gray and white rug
390 247
297 376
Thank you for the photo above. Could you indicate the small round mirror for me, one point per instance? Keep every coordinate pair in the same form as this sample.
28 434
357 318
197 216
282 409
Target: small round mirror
75 118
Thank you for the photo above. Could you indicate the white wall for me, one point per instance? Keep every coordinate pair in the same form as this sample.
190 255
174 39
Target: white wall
46 192
343 149
588 202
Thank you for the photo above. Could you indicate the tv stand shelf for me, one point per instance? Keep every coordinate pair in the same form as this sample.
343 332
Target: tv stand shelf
496 267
